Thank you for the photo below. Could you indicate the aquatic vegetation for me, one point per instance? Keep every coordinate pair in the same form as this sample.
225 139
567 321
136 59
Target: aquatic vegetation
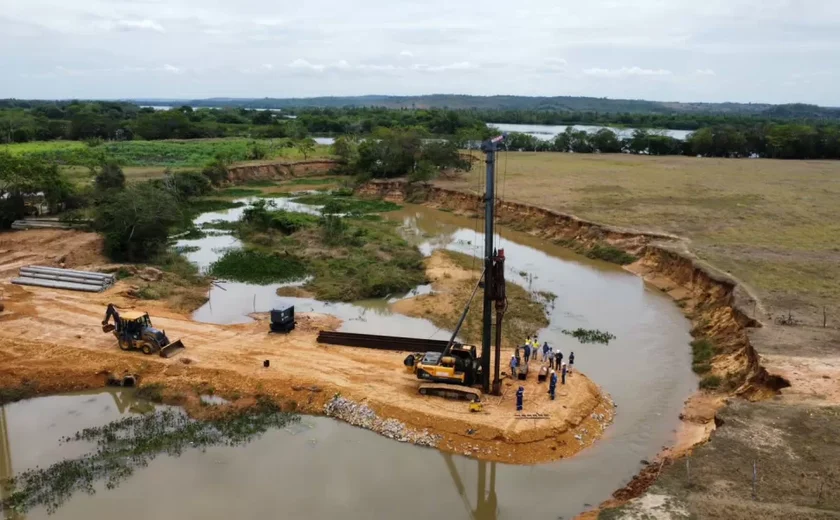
132 442
590 335
255 266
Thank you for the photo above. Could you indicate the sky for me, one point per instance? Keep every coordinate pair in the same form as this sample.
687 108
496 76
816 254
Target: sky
769 51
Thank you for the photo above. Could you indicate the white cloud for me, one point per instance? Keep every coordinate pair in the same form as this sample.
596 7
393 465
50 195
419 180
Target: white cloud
626 71
705 72
267 66
172 68
461 65
300 63
270 22
138 25
369 48
554 65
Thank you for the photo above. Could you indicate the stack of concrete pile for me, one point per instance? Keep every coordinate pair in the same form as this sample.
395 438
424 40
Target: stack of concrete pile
64 279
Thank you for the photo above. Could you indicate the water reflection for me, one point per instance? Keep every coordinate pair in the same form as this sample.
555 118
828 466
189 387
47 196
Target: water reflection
486 502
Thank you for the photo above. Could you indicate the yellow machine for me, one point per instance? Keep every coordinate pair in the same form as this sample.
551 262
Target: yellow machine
134 330
451 373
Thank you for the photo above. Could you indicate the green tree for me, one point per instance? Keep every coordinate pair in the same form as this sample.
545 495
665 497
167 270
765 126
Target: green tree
109 177
606 141
23 177
346 149
135 222
306 147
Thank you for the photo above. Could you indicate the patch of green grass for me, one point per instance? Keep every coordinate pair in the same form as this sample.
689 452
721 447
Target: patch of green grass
610 254
260 183
341 203
277 195
313 182
171 153
238 192
702 352
253 266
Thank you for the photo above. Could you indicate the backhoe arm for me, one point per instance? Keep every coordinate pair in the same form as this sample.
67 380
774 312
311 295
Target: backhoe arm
112 312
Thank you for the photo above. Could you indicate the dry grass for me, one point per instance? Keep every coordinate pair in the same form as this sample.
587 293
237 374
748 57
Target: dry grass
774 224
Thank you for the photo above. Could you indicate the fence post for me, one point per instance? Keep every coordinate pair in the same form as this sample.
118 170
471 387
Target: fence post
825 317
755 477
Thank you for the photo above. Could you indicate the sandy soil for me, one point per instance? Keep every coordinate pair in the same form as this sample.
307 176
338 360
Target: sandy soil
54 337
48 247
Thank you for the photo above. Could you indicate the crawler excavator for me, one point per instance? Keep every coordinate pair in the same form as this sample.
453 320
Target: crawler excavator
134 331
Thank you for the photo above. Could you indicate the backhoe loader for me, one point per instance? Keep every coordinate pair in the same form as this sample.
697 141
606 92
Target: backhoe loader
134 331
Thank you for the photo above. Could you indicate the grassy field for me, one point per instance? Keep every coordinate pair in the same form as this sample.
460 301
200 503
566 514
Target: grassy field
773 224
171 153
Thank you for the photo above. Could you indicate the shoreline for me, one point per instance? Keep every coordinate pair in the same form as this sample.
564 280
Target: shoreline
52 341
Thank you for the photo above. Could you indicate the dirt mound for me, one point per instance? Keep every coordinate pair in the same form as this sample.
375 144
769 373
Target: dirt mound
49 247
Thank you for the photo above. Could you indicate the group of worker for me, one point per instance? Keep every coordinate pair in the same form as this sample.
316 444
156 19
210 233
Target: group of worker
532 348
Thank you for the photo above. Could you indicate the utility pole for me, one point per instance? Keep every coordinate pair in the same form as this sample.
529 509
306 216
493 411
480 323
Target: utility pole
493 283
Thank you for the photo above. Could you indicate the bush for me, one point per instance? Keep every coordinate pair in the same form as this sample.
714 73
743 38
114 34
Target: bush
710 382
702 352
135 222
216 171
109 177
610 254
187 185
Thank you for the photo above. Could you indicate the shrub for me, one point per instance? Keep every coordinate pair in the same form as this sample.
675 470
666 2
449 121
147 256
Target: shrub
109 177
216 171
710 382
702 352
610 254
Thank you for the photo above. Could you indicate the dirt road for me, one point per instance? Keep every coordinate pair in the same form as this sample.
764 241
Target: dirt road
54 338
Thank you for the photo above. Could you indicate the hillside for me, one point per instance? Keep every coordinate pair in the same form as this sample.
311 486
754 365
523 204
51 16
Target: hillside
548 104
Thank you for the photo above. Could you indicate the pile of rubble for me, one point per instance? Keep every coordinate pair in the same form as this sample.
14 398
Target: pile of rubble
362 415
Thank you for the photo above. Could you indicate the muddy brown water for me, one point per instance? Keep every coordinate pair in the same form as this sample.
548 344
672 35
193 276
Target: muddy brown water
327 469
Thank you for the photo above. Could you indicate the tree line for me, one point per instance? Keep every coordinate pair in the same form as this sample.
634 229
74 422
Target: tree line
118 121
777 141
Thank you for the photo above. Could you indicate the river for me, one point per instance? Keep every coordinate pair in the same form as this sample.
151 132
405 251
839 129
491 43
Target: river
328 469
548 132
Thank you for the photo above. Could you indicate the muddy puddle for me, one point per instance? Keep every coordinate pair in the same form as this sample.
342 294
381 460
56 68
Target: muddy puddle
327 469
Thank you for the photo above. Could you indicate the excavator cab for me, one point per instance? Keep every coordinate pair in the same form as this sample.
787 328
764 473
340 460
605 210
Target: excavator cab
134 331
451 373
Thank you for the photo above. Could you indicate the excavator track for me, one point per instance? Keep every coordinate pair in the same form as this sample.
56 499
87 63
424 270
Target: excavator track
465 393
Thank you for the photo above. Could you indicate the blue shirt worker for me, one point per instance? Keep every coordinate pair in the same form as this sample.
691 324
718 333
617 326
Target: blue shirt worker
545 351
571 362
552 384
558 359
527 352
513 365
520 394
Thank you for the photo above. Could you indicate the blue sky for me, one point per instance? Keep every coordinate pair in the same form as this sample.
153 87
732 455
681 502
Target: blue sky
673 50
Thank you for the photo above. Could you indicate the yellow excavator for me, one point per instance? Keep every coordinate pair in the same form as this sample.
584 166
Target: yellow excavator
134 331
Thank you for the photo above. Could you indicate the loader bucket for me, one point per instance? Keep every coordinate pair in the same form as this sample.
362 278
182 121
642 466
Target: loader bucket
172 349
108 328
